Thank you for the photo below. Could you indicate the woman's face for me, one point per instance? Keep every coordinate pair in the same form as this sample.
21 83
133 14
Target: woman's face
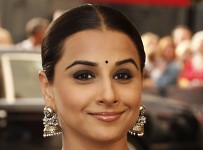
97 85
169 51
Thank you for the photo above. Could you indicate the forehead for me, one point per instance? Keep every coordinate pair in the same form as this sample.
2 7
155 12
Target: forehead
97 43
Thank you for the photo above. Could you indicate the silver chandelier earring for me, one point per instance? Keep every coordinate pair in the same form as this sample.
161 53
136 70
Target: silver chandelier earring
51 123
138 128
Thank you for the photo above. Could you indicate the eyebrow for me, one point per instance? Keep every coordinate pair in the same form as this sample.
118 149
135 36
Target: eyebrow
82 62
93 64
129 60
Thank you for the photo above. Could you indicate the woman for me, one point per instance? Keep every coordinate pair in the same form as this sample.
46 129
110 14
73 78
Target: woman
167 68
93 59
192 73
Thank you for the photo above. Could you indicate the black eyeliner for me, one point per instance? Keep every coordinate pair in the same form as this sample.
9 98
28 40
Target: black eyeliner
83 73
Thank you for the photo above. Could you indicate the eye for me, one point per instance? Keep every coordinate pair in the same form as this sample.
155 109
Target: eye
123 74
84 75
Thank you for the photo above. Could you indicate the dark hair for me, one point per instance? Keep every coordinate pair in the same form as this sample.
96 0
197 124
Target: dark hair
81 18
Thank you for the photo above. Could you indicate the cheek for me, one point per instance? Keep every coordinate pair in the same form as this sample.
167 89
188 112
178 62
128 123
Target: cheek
132 95
136 102
70 98
135 99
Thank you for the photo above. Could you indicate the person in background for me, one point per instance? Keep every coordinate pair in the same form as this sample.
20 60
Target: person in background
35 29
184 52
184 55
167 69
150 41
192 74
5 38
181 33
93 60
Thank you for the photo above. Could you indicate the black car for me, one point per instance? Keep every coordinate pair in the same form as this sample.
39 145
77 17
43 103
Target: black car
171 125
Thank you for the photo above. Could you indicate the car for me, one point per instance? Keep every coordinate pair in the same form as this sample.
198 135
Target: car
171 124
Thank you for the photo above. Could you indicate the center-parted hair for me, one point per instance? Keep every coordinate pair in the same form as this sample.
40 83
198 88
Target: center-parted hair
82 18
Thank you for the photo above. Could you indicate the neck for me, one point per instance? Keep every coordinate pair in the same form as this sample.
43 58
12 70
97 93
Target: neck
93 148
83 144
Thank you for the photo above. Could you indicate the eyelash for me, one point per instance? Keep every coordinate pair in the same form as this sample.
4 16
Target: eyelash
122 75
85 75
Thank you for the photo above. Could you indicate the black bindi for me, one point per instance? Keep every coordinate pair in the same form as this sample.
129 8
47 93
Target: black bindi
106 61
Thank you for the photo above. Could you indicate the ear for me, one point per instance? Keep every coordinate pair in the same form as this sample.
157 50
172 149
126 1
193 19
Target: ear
47 90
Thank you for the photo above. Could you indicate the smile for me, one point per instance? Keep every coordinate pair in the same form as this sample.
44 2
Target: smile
107 116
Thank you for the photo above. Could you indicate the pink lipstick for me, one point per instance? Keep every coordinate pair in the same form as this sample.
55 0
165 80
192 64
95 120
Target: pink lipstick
107 116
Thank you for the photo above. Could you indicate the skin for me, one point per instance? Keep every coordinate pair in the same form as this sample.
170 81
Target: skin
104 87
181 34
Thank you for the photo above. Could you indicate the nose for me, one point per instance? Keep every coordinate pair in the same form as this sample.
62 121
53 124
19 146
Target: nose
108 94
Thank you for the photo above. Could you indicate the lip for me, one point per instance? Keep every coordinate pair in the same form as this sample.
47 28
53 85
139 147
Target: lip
107 116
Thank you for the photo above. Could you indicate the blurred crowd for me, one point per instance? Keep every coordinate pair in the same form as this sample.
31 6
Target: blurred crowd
35 30
174 59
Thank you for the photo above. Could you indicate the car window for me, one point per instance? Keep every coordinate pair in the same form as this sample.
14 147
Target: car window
25 78
20 75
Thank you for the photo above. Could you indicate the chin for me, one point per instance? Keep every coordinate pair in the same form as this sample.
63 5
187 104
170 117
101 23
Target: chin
109 137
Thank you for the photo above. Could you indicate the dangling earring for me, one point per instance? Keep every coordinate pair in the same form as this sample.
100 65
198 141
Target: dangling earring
138 128
51 123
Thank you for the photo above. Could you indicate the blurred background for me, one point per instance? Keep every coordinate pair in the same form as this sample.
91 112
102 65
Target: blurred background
159 16
172 34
